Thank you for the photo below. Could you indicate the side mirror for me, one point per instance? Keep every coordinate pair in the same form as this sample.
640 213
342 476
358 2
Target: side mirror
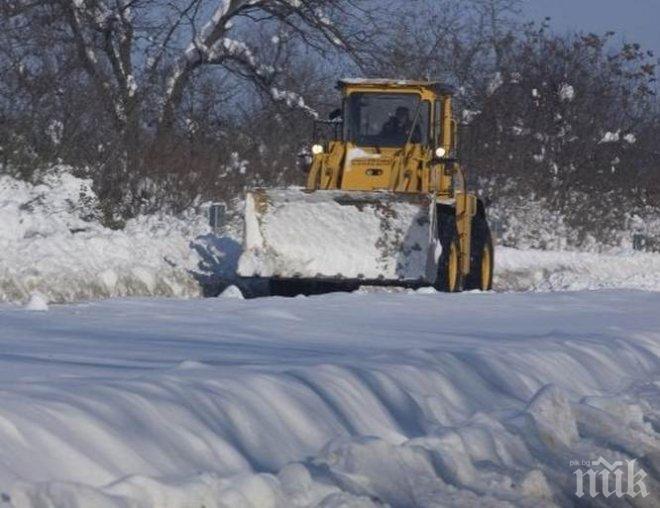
304 160
335 114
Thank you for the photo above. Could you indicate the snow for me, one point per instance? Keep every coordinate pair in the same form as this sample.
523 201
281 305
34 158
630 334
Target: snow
237 48
535 270
37 302
495 83
291 233
52 242
378 397
630 138
55 132
232 292
553 417
131 85
359 153
566 92
364 399
216 19
292 100
611 137
382 81
468 115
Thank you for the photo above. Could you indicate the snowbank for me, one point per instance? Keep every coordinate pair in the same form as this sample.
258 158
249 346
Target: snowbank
534 270
338 400
52 242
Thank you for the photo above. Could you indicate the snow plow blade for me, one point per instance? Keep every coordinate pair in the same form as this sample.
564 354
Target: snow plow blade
339 235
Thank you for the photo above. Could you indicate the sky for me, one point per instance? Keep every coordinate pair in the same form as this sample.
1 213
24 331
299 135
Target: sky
632 20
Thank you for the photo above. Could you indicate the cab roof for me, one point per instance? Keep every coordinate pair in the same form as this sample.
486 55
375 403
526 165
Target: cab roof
437 86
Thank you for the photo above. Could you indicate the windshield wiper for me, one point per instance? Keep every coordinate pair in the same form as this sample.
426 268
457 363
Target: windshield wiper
414 123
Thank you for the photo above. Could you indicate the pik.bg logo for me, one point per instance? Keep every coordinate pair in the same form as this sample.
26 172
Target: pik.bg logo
615 479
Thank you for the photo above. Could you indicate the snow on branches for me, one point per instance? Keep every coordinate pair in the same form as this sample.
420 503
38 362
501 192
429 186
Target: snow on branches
212 45
144 53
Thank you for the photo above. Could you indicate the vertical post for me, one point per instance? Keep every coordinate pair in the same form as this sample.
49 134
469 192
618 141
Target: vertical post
446 124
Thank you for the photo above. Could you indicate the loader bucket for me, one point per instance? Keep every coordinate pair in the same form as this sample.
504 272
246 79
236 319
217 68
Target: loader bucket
339 235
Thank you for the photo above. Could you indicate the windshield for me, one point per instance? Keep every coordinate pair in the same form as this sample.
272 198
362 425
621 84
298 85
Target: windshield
377 119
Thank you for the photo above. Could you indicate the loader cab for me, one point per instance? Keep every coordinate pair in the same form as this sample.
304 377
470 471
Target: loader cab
387 120
381 133
422 109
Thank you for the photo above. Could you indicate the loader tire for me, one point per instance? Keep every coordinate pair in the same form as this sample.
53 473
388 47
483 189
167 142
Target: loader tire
482 256
449 271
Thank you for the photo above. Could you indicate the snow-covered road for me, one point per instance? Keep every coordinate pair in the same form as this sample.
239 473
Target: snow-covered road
338 400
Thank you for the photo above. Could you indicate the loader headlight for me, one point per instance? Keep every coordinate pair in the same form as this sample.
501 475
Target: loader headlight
440 152
317 149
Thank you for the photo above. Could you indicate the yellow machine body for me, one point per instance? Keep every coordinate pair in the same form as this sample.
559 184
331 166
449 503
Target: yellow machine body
413 168
353 184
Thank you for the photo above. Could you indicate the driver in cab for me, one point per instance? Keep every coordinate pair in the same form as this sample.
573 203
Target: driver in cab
398 127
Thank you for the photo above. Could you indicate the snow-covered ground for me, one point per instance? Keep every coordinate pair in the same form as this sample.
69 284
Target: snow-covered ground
53 243
374 398
534 270
363 399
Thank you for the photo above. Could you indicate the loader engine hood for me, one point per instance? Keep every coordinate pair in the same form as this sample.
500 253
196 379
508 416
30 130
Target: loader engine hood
379 236
368 168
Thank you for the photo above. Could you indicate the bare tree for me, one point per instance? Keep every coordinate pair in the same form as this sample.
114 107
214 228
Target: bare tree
121 70
127 48
497 18
108 37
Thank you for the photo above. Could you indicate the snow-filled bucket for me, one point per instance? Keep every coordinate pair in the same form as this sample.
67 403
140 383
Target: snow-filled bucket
379 236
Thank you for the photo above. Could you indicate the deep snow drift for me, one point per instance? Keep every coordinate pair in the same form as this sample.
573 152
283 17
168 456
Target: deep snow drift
409 399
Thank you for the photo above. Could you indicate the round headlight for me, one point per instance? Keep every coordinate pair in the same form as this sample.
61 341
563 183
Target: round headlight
440 152
317 149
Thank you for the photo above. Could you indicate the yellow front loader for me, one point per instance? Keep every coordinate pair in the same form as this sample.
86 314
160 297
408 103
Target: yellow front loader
385 203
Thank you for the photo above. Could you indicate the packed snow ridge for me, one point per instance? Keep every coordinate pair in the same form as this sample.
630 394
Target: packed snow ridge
352 400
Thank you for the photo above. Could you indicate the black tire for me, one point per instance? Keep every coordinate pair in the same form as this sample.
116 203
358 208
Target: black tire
448 281
482 255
